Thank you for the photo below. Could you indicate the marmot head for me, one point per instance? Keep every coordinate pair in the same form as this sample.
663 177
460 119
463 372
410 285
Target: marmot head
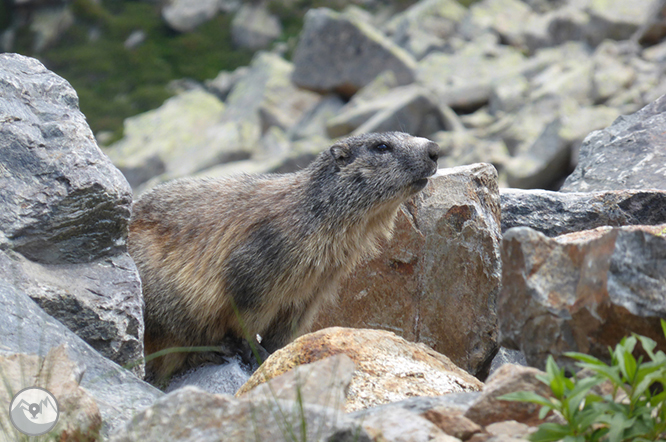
384 167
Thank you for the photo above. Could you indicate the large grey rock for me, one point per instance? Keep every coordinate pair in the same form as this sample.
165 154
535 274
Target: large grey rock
465 79
581 292
254 27
425 26
545 162
340 53
64 212
191 414
62 199
557 213
507 18
627 155
615 19
186 15
169 140
407 108
195 131
444 253
25 328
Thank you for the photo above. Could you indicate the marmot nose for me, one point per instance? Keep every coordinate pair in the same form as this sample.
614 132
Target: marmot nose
433 151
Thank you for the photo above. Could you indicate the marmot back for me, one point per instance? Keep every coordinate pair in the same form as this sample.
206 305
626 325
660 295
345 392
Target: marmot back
227 258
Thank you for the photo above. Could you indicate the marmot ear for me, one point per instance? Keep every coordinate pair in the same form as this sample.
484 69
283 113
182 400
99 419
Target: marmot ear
341 154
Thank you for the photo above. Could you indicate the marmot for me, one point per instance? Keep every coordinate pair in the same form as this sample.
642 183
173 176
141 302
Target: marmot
247 255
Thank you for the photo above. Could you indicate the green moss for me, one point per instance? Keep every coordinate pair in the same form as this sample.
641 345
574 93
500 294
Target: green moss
113 82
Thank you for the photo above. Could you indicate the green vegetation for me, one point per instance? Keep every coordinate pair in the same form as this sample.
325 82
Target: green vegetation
113 82
634 411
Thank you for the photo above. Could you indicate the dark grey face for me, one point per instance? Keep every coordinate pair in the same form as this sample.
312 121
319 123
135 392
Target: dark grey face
389 166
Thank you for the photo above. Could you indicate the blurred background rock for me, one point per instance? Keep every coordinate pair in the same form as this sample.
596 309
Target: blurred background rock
214 87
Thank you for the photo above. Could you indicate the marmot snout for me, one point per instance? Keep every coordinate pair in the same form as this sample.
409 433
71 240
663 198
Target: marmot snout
234 257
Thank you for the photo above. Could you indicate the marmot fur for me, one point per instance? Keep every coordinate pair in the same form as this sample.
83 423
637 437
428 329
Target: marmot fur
235 257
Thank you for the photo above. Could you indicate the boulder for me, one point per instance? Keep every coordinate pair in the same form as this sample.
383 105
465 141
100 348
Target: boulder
452 421
464 80
406 108
397 425
191 414
615 19
78 416
64 214
186 15
195 131
506 356
557 213
507 18
388 368
254 27
437 280
26 329
469 147
48 25
654 29
167 140
509 378
340 53
582 291
324 382
546 161
626 155
425 26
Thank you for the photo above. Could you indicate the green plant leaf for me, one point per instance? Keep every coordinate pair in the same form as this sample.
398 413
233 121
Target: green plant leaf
648 345
550 432
584 358
527 396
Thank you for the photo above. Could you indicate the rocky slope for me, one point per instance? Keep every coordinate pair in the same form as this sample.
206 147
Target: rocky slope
475 276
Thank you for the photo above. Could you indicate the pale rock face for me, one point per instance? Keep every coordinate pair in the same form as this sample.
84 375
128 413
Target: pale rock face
253 27
186 15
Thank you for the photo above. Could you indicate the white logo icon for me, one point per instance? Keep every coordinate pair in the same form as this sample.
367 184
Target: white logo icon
34 411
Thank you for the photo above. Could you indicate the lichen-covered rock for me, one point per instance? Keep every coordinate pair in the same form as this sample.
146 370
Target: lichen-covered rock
169 139
186 15
425 26
406 108
464 79
581 292
388 368
338 52
628 154
254 27
437 280
64 212
195 131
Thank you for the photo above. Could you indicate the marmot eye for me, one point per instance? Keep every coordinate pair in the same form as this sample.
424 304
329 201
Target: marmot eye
382 147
